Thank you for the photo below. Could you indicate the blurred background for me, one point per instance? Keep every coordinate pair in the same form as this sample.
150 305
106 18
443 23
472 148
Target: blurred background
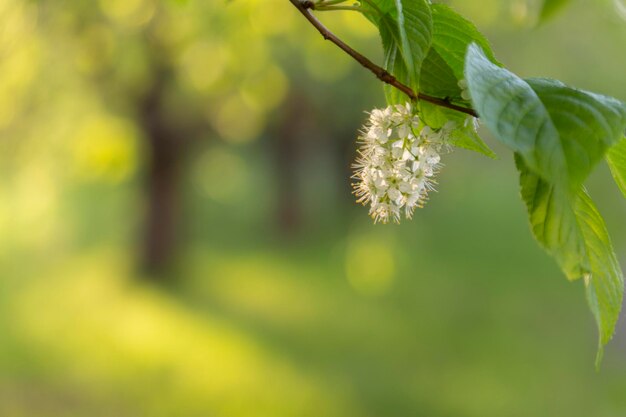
178 237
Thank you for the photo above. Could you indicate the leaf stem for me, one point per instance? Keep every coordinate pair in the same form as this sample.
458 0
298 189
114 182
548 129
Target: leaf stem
305 7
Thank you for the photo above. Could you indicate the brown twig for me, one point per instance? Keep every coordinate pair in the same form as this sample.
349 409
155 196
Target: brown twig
383 75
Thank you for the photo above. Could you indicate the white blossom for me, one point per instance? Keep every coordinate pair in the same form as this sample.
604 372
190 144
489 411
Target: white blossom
397 161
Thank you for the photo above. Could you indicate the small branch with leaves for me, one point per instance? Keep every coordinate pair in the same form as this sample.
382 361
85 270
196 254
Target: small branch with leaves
557 134
383 75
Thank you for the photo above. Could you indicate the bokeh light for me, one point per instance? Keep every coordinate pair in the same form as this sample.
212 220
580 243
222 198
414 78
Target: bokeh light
370 264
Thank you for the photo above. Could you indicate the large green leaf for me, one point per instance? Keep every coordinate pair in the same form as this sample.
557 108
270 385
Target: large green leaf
378 6
406 30
514 114
588 124
572 230
438 79
605 282
617 162
394 62
444 65
452 34
561 133
464 136
553 222
415 27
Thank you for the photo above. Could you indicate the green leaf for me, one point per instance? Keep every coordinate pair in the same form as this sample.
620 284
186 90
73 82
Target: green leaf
551 7
437 78
572 230
617 162
514 114
406 30
588 124
464 137
444 65
415 26
378 6
553 222
394 63
605 282
452 35
561 133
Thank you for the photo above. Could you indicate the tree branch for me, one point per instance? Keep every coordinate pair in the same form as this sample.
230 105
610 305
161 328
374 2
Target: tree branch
383 75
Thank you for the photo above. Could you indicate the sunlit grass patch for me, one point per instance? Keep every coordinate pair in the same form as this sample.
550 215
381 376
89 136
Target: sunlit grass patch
86 323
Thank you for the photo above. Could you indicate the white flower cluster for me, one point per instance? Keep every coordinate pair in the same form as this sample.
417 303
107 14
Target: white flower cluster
397 162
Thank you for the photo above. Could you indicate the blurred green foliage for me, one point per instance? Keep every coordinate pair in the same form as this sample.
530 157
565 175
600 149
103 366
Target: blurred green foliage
551 7
454 314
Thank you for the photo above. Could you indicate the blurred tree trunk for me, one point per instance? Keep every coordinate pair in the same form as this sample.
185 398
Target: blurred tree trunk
166 151
292 124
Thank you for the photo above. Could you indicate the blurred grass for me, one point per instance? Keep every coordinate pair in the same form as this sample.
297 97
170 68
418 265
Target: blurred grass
473 321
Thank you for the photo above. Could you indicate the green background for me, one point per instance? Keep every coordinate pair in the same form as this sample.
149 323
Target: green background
281 297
